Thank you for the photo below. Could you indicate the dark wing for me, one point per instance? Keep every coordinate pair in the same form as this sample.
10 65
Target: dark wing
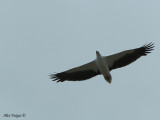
77 74
126 57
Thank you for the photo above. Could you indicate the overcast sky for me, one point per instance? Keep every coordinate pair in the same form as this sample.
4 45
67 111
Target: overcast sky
39 37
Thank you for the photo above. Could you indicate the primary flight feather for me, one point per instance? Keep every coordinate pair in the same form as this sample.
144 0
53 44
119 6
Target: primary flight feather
103 65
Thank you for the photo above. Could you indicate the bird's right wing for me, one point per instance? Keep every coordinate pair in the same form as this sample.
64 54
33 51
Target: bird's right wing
80 73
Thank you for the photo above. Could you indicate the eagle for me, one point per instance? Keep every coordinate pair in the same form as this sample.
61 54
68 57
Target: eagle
102 65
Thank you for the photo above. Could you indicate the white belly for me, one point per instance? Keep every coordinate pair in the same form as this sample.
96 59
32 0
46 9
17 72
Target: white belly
103 68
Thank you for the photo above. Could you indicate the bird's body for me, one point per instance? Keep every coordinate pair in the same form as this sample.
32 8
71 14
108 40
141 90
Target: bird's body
103 65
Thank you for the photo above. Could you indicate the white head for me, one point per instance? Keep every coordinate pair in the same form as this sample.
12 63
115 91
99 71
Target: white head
97 53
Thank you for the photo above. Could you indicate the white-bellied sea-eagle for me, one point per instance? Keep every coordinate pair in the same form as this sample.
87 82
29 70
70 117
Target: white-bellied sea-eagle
103 65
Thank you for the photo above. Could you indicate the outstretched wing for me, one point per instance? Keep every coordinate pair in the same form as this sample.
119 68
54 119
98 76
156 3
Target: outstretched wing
77 74
126 57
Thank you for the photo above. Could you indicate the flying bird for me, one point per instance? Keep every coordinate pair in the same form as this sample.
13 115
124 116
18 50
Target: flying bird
103 65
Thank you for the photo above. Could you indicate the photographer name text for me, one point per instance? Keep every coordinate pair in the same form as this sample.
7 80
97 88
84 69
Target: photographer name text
14 115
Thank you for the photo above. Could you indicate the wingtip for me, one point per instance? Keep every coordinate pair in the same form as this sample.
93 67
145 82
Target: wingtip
148 48
56 77
151 44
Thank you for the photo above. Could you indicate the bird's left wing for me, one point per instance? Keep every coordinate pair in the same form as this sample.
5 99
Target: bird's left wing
126 57
80 73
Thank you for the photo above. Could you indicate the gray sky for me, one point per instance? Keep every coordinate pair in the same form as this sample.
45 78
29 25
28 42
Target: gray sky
39 37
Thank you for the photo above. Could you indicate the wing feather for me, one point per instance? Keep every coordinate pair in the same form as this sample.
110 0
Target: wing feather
77 74
126 57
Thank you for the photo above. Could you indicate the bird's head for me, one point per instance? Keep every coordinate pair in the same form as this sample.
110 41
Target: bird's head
97 53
